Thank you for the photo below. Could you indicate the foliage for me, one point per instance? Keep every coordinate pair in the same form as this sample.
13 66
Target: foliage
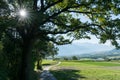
42 50
11 64
74 58
65 58
54 17
3 69
52 50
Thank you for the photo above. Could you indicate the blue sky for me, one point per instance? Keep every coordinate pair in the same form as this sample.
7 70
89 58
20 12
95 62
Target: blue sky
84 46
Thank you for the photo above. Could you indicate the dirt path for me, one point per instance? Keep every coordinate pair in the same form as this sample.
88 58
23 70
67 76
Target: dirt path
48 67
46 75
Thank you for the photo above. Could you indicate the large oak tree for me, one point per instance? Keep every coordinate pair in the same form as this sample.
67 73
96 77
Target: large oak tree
53 20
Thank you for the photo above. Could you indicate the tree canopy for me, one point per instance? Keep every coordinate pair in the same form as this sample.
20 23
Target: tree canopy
49 18
57 21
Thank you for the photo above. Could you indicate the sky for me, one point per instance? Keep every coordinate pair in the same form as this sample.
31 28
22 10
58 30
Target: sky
84 46
93 40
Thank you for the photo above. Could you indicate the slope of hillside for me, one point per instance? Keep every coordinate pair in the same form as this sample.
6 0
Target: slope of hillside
110 53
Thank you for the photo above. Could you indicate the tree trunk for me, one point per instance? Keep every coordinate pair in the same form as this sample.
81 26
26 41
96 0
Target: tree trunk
26 62
39 64
53 57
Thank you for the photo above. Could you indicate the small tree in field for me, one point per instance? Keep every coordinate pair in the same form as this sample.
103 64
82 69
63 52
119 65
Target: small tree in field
74 58
42 50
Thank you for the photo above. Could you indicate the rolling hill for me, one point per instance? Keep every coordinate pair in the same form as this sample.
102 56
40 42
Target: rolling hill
111 53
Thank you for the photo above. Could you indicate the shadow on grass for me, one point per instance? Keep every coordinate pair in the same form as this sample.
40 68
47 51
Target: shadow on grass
49 64
67 74
46 64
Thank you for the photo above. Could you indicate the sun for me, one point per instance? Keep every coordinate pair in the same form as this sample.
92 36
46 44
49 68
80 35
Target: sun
23 13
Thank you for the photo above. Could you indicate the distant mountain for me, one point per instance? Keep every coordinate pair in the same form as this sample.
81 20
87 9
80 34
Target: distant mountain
110 53
82 48
89 51
115 51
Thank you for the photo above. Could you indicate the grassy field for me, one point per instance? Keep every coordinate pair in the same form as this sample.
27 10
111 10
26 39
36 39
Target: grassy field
49 62
77 70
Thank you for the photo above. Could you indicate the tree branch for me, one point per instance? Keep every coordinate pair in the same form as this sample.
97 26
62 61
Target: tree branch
59 12
85 12
65 31
52 4
35 5
20 2
54 15
61 42
87 26
42 4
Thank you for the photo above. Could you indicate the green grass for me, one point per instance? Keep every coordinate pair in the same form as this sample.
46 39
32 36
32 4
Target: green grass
48 62
103 63
45 63
77 70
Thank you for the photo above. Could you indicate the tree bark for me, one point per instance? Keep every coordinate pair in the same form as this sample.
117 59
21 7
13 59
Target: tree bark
39 64
26 61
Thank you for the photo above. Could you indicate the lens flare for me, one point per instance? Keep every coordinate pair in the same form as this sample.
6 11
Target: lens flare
23 13
24 16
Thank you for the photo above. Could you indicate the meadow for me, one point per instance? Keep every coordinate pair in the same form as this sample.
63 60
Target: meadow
87 70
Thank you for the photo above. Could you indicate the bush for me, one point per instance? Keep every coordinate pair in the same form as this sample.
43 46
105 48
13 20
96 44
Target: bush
74 58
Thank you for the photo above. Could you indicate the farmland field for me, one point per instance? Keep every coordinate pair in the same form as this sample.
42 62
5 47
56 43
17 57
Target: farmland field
77 70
